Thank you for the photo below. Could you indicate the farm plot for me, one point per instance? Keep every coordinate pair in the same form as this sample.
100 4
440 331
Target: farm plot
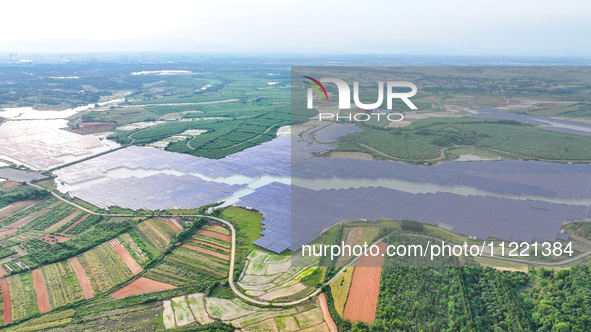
134 244
41 291
170 226
201 262
57 213
65 222
131 264
22 293
177 312
24 215
202 258
182 313
82 224
82 278
270 276
175 274
48 238
340 289
356 236
365 288
151 235
104 268
13 208
62 284
141 286
6 302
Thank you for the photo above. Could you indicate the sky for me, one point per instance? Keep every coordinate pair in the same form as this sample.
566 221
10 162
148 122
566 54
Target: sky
432 27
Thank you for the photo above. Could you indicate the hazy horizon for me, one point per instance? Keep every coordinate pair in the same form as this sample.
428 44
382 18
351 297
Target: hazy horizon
457 27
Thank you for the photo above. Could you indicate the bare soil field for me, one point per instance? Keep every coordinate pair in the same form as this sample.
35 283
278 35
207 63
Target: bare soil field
53 238
82 278
365 288
142 286
6 302
3 272
214 234
133 266
10 184
41 291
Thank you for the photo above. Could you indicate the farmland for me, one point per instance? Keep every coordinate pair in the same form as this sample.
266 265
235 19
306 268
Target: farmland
104 268
62 284
365 287
204 257
198 309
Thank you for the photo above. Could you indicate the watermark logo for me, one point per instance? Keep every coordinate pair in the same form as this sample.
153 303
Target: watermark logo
344 92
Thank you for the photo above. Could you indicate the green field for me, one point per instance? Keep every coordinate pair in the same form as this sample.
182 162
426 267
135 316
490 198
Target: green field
22 293
104 268
425 139
62 284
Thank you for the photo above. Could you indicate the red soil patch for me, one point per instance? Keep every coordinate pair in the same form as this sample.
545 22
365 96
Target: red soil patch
27 219
206 251
211 245
10 231
10 184
141 286
82 278
327 317
365 287
133 266
214 234
172 225
3 272
64 220
74 224
6 302
41 291
53 238
151 222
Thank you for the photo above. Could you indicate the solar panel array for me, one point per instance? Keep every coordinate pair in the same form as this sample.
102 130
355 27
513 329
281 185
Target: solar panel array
152 179
156 192
274 202
478 216
271 158
43 144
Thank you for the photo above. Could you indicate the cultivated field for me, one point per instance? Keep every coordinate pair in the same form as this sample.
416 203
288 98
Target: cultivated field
269 276
62 284
104 267
340 289
202 258
141 286
365 288
197 309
